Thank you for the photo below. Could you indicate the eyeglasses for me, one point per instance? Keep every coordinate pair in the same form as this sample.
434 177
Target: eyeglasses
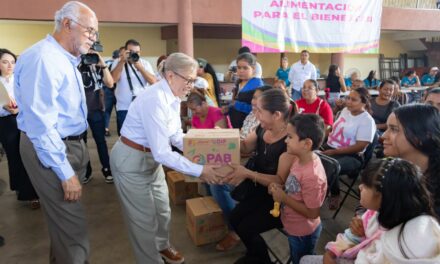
91 31
189 81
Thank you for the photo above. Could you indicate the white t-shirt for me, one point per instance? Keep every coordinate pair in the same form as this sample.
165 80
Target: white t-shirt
122 92
258 69
299 73
349 128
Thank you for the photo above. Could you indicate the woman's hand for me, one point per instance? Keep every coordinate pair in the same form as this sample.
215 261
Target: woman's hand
357 227
276 190
11 107
239 174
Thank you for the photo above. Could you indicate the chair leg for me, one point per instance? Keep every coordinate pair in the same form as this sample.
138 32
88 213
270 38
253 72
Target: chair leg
350 189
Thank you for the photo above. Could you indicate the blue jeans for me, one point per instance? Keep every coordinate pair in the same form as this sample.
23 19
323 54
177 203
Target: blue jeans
96 122
222 195
303 245
296 95
109 101
120 118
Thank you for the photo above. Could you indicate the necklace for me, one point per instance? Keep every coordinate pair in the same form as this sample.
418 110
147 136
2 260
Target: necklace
268 145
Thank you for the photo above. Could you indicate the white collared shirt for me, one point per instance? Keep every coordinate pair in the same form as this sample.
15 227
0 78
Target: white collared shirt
299 73
9 85
122 92
153 120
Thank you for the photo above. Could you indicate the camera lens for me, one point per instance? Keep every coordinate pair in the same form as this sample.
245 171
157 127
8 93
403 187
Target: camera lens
134 57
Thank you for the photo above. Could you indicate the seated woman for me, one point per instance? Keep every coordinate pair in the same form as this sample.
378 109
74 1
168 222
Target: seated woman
203 115
413 134
383 105
312 104
351 133
349 81
335 82
247 83
207 72
410 79
399 96
371 82
251 216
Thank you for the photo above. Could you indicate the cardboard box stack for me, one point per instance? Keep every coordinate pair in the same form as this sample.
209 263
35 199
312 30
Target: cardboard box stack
212 146
180 190
204 220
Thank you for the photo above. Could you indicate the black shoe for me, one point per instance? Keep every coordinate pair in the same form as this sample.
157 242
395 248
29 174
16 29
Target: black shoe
107 133
107 175
2 241
89 175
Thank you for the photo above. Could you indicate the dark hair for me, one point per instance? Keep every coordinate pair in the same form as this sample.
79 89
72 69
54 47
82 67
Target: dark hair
314 82
332 70
196 96
244 49
365 97
409 72
396 79
248 57
276 100
209 69
263 88
387 81
431 91
309 126
371 76
160 59
132 42
305 51
404 193
421 126
6 51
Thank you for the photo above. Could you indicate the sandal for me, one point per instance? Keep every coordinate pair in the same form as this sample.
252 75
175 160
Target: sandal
333 202
228 242
35 204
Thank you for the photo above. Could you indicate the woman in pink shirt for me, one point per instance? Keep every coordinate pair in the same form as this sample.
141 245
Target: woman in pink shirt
205 116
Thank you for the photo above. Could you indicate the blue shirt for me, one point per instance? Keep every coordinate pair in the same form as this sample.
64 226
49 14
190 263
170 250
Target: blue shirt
428 79
50 96
283 75
407 81
373 83
348 82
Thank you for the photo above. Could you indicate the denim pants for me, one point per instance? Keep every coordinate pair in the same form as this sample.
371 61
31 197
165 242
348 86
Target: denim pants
222 195
303 245
120 118
97 125
296 95
109 101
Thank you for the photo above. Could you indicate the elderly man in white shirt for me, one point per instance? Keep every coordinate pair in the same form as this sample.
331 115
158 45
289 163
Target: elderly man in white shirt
300 72
131 75
151 127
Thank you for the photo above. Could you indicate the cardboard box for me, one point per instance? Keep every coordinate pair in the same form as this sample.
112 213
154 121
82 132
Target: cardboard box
212 146
204 220
180 190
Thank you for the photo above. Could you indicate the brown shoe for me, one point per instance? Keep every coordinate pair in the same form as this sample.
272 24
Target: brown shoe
228 242
35 204
172 256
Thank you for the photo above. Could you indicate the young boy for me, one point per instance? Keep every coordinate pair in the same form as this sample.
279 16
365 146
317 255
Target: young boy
305 187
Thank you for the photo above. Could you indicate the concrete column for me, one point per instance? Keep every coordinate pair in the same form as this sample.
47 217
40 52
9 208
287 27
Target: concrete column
338 59
185 36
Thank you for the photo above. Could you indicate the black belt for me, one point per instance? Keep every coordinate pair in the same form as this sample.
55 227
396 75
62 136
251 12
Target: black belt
78 137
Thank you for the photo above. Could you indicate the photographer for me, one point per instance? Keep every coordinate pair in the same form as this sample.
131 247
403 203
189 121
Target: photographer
132 75
95 74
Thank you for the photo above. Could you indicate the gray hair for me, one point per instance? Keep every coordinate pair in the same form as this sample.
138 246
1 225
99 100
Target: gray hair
179 62
248 57
69 10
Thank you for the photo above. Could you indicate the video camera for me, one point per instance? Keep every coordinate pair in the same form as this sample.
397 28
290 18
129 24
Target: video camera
91 58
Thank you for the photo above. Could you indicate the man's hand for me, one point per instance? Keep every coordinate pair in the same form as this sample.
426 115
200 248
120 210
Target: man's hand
72 189
138 65
123 56
211 175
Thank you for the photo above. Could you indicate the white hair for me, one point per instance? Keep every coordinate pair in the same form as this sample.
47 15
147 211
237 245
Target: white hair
69 10
179 62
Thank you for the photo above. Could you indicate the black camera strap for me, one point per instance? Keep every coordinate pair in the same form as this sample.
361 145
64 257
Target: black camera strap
129 78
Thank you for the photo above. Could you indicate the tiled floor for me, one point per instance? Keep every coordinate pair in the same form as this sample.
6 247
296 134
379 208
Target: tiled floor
27 239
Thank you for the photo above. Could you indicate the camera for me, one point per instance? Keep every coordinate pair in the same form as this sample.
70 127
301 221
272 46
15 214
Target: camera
133 56
234 69
89 59
97 46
